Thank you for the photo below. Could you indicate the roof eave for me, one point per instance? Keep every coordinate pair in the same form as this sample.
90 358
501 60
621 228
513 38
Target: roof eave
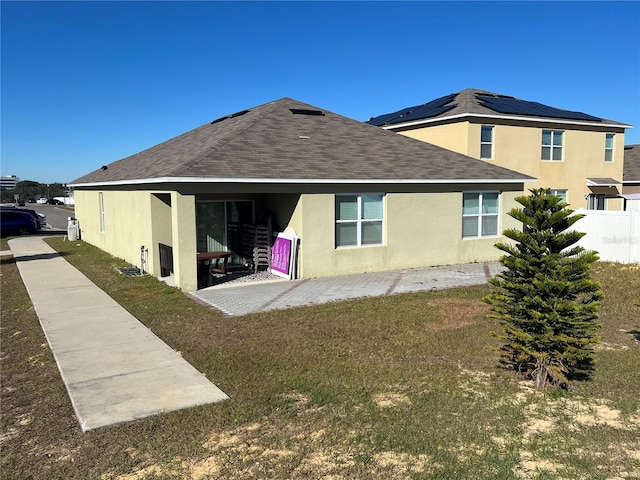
502 117
611 182
294 181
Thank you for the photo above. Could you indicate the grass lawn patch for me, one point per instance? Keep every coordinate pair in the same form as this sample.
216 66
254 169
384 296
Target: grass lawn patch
397 387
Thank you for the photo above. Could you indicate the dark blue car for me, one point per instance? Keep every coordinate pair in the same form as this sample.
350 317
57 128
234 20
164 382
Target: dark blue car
17 222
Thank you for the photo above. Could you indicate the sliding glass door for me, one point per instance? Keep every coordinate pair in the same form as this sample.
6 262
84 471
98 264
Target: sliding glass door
219 226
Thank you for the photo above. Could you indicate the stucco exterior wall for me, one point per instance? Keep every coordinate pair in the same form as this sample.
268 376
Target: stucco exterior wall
452 136
420 229
127 217
285 210
518 147
133 219
183 232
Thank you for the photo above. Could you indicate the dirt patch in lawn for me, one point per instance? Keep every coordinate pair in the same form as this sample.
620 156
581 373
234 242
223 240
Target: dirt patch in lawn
402 462
295 442
546 417
456 313
390 400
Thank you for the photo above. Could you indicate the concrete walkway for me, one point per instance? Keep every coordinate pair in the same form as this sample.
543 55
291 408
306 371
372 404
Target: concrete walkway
243 298
115 369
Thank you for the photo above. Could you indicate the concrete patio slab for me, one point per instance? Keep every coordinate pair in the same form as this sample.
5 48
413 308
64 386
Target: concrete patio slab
244 298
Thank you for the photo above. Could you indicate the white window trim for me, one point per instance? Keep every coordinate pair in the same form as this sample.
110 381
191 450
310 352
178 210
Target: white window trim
554 191
480 215
359 221
551 146
612 149
596 197
491 143
102 221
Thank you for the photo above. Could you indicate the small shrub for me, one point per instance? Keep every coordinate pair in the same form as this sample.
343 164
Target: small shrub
545 301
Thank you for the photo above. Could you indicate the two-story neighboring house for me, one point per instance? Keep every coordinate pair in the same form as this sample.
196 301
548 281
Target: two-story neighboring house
578 156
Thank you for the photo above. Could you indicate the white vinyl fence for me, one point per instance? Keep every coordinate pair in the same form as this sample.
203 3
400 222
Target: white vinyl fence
614 235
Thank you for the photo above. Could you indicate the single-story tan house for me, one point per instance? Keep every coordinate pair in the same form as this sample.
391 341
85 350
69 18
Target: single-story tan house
358 198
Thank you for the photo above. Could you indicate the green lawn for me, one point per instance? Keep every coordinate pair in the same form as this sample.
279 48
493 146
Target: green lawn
397 387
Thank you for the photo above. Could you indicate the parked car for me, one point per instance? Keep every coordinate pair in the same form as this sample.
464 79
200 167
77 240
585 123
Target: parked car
40 218
17 222
43 219
32 200
53 201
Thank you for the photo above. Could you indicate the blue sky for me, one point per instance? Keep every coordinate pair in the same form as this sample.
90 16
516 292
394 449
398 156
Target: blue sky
88 83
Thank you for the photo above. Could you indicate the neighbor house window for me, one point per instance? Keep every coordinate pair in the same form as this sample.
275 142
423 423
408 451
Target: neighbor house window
608 148
559 192
480 211
101 199
596 201
552 145
359 220
486 142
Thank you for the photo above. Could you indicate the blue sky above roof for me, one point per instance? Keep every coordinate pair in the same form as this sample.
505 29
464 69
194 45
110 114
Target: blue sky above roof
87 83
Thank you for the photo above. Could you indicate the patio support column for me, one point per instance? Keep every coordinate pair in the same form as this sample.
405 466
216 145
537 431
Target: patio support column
183 230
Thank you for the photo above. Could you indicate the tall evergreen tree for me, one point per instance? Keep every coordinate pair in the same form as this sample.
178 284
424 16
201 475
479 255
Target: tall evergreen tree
545 300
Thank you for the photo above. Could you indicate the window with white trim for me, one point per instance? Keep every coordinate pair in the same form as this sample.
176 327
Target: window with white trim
552 145
359 219
596 201
101 200
480 212
562 193
608 148
486 141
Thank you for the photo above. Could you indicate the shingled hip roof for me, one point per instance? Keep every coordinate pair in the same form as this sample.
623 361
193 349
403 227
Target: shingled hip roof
287 141
481 103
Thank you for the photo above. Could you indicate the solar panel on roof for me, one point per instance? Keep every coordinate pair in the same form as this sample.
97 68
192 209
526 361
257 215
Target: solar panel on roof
428 110
381 119
523 107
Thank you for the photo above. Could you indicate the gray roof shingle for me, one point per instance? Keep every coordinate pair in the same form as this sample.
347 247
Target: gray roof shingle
270 142
470 102
631 164
603 182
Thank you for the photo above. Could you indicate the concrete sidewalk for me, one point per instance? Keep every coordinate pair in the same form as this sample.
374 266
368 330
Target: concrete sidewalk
240 299
115 369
